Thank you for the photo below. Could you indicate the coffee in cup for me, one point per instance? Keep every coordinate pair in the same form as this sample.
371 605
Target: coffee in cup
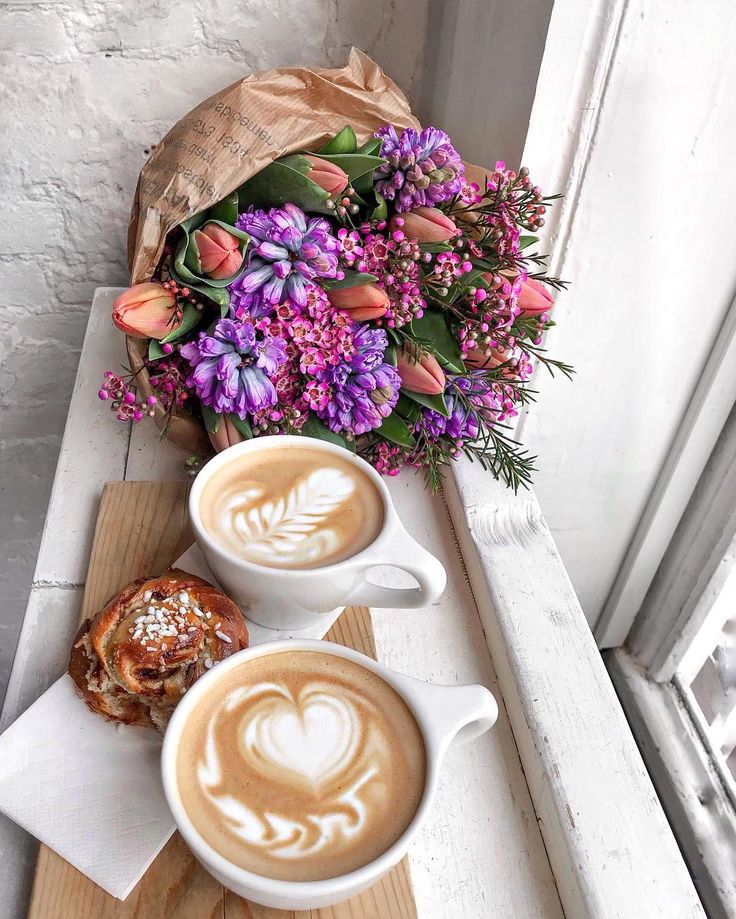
301 766
292 528
298 507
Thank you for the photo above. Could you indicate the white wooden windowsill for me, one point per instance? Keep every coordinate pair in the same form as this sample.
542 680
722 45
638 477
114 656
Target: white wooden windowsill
551 815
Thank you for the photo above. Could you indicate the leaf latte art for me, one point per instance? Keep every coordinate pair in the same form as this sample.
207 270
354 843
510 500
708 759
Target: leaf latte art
305 766
292 508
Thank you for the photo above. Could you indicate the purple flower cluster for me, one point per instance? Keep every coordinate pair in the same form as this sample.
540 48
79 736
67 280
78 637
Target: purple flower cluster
462 424
423 168
287 254
231 368
356 395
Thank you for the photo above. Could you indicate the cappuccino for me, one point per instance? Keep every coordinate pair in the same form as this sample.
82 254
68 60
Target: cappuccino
300 765
298 507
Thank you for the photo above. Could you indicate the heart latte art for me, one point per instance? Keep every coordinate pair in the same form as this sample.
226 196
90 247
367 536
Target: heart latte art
291 508
301 765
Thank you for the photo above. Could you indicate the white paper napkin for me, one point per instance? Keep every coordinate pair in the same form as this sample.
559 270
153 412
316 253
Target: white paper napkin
90 789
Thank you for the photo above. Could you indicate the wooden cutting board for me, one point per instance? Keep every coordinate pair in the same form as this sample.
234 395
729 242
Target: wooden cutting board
141 528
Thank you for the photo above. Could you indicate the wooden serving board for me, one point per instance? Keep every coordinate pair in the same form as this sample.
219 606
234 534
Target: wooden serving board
142 527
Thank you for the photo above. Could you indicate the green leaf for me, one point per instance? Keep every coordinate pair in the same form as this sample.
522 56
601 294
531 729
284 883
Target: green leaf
434 248
371 146
431 327
526 241
313 427
242 425
155 351
226 210
212 419
389 355
380 211
281 182
351 279
397 431
191 316
436 403
407 408
344 141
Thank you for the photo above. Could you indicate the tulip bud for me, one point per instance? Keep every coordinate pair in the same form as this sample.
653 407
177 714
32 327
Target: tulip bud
534 298
423 376
226 436
427 224
367 301
145 311
219 254
327 175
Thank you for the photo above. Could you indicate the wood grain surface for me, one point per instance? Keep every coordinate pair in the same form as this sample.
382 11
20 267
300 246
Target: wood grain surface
141 528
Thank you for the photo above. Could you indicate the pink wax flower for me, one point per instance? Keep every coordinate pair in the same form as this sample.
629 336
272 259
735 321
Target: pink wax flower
146 311
364 302
427 224
423 375
534 298
327 175
218 251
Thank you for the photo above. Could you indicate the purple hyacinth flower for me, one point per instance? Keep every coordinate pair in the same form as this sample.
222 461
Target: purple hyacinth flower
423 168
287 253
364 391
230 368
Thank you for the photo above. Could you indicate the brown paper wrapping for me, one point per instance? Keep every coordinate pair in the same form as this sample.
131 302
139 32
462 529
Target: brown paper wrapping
228 138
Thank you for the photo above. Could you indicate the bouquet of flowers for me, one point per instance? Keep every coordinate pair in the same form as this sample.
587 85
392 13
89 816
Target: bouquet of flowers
364 292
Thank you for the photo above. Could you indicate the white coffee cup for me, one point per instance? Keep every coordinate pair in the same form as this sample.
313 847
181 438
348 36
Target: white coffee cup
287 598
444 714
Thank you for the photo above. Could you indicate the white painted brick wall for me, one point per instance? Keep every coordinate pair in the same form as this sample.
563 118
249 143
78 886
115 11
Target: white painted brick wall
85 88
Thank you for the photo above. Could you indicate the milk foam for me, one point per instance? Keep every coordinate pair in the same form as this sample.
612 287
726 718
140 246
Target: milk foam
312 740
293 528
296 509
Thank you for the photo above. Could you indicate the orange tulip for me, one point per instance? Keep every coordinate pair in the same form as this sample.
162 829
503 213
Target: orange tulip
427 224
534 298
367 301
145 311
219 255
327 175
424 375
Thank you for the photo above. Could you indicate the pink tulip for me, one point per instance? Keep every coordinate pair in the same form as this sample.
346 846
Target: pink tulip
534 298
366 301
427 224
227 435
327 175
145 311
219 255
424 375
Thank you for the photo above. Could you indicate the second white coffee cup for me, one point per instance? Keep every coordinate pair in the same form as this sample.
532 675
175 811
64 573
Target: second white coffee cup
286 598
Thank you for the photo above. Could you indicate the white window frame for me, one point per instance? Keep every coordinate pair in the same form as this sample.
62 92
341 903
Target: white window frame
674 565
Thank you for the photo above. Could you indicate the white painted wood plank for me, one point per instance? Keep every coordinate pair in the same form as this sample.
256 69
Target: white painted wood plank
93 451
481 845
611 849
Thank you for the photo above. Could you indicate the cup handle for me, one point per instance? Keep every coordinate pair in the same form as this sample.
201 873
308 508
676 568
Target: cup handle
453 714
428 571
